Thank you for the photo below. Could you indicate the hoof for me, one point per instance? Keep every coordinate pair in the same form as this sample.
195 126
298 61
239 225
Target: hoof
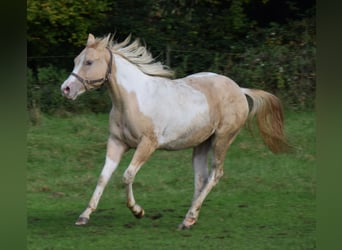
81 221
187 223
140 214
183 227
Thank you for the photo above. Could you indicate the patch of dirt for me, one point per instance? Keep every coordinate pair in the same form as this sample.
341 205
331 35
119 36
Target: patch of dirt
58 194
155 216
129 225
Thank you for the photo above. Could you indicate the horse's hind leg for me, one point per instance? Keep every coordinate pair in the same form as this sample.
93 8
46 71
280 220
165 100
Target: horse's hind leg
200 165
220 146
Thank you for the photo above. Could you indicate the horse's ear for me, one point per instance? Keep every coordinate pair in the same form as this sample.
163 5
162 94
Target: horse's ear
91 39
104 42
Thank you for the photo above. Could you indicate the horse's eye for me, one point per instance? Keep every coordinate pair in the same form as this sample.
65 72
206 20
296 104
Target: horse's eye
88 62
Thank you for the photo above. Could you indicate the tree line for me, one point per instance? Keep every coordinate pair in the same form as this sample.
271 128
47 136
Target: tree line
267 44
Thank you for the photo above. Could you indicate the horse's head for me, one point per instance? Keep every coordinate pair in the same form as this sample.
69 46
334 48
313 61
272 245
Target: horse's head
92 68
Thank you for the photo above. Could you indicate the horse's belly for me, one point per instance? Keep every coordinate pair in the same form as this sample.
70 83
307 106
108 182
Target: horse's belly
180 137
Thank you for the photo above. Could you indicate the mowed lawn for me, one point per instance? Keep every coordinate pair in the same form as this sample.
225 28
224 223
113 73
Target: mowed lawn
264 201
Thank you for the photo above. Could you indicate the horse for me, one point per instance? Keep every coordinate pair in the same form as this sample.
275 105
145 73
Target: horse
153 111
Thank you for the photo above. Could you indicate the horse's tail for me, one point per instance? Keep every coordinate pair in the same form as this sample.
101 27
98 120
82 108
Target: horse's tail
269 118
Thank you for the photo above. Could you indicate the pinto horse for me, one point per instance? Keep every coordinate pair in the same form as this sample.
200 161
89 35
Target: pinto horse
204 111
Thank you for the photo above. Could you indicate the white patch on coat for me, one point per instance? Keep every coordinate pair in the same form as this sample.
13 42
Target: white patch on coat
109 168
75 86
76 70
79 65
176 109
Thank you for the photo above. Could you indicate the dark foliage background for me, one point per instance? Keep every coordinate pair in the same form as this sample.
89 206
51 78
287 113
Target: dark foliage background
266 44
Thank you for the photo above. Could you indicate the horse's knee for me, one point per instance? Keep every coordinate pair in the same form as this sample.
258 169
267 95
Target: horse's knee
217 168
128 177
218 174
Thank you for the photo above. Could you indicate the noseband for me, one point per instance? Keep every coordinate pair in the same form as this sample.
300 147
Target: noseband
86 82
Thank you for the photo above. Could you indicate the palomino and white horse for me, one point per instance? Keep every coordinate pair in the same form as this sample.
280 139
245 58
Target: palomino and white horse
203 111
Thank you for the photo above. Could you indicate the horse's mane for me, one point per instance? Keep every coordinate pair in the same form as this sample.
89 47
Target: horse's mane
138 54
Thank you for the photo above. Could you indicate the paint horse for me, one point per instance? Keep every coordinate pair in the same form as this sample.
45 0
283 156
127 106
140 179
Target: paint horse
150 111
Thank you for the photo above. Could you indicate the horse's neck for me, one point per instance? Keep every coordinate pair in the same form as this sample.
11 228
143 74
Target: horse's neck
126 78
129 76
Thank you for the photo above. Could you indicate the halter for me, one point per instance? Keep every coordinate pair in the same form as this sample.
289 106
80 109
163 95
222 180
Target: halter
86 82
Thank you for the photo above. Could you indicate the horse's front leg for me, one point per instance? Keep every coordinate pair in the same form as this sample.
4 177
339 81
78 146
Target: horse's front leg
115 151
144 150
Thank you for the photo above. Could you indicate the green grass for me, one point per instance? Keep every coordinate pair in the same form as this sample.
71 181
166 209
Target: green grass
263 201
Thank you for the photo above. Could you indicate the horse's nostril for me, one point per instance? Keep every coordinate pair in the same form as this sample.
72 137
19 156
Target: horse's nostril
66 90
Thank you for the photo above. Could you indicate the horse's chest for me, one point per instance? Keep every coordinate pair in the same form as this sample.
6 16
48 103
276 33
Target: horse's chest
122 131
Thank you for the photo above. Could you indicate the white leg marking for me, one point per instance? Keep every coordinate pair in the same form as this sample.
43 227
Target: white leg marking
115 150
107 171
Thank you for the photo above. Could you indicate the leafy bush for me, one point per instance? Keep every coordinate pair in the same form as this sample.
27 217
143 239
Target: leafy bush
283 63
279 59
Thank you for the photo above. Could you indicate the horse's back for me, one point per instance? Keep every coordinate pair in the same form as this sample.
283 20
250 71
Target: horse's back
219 89
226 100
215 82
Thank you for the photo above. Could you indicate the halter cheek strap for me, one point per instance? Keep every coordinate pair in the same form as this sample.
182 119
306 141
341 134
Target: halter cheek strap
86 82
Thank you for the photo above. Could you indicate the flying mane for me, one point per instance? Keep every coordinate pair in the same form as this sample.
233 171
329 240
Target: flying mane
137 54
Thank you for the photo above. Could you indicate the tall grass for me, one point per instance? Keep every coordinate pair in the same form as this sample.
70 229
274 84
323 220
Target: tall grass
263 201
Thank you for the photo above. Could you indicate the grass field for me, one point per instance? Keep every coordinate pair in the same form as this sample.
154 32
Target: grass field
263 201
